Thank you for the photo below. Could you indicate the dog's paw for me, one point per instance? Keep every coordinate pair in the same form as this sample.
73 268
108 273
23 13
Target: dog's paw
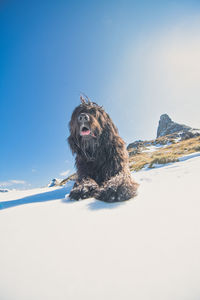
75 194
109 195
83 191
116 193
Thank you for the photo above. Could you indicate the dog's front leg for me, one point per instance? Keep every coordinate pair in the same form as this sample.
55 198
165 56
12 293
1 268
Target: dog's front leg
118 188
84 188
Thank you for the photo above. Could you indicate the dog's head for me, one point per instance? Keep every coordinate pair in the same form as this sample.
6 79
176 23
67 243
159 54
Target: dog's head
90 127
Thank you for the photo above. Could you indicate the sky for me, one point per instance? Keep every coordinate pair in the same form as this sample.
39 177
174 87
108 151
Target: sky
139 59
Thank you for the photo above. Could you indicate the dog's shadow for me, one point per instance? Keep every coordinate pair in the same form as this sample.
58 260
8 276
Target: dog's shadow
58 194
98 205
41 197
95 204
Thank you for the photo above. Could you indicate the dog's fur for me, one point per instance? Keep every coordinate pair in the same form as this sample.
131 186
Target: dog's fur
101 157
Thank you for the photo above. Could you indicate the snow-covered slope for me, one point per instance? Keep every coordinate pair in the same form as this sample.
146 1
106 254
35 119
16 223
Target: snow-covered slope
145 249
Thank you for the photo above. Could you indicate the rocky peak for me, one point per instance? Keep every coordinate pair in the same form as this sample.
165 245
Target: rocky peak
165 119
167 126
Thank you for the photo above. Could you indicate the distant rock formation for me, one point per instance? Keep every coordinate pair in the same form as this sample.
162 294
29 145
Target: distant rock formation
54 182
135 146
4 190
166 126
168 132
60 182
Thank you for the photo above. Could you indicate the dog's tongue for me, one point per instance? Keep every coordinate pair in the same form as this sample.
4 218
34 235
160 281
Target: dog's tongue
85 132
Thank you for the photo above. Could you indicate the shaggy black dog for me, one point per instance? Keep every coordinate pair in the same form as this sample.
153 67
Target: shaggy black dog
101 156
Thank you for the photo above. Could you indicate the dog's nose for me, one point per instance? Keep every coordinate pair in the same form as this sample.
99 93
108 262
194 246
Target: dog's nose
83 117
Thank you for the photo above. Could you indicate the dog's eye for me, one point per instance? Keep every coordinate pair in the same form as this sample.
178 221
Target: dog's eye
93 112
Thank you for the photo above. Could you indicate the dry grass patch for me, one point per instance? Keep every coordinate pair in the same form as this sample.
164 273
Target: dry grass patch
165 155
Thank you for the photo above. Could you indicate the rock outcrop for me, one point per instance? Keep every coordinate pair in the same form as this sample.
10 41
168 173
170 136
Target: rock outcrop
4 190
54 182
166 126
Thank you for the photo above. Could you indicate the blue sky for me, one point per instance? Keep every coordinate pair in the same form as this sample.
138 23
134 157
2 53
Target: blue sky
138 59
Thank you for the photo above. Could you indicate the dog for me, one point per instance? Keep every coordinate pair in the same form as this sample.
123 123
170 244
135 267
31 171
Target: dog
101 156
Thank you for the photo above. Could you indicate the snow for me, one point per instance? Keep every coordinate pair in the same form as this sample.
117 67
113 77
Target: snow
153 148
188 156
145 249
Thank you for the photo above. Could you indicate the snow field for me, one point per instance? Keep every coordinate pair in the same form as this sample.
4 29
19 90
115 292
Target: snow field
145 249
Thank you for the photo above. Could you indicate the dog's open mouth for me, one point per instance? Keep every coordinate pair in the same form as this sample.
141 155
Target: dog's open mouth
85 131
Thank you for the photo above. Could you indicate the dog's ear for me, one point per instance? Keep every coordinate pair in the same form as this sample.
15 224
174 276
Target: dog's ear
111 125
107 123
